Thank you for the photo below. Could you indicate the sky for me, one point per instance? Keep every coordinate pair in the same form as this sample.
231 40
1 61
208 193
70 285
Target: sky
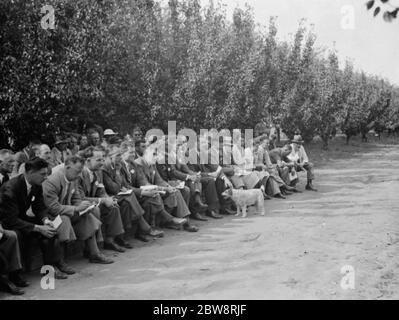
371 43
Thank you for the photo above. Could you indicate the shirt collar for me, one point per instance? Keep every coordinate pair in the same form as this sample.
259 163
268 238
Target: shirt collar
28 185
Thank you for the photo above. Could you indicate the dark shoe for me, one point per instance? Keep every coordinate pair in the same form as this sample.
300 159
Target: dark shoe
64 268
190 228
142 238
123 243
100 259
16 278
59 275
286 193
296 191
7 286
156 233
310 187
198 216
214 215
266 197
113 246
228 211
279 196
201 206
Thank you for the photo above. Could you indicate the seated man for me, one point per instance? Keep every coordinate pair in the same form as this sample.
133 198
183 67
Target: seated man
62 197
26 154
10 263
285 167
7 162
23 210
150 200
92 189
191 183
43 152
60 152
299 157
263 162
173 199
115 182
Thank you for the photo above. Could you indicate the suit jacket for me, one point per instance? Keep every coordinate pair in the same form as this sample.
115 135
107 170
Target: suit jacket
59 199
113 184
4 177
150 173
15 202
136 177
92 190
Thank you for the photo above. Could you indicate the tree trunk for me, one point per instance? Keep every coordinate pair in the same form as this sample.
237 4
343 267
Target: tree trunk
325 139
348 136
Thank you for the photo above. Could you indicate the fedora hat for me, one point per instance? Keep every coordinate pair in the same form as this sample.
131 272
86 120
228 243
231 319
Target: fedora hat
297 139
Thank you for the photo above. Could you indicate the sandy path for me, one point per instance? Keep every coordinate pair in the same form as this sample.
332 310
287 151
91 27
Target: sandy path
296 251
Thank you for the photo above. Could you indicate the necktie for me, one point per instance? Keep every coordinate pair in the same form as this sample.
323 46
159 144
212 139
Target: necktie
67 196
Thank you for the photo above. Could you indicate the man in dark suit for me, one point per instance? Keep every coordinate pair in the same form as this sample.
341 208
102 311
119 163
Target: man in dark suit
92 189
173 199
22 210
150 200
10 263
116 180
279 156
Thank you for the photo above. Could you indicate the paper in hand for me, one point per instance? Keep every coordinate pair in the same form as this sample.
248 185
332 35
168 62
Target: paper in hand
126 193
57 222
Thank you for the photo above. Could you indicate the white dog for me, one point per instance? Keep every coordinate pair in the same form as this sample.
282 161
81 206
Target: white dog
246 198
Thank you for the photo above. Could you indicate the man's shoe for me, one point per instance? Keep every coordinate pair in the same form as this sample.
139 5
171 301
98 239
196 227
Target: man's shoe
214 215
296 190
59 275
142 238
279 196
100 259
228 211
178 221
123 243
156 233
198 216
310 187
16 278
64 268
7 286
201 206
113 246
190 228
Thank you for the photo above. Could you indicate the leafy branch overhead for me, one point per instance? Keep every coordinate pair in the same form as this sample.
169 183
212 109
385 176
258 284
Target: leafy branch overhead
390 10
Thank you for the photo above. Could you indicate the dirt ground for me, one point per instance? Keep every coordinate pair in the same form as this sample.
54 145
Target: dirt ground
295 252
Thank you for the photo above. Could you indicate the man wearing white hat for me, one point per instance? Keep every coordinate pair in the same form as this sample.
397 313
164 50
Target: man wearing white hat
109 134
299 157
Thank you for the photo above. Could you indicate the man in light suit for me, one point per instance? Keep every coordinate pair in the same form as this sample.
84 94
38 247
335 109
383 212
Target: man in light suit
299 157
62 196
92 188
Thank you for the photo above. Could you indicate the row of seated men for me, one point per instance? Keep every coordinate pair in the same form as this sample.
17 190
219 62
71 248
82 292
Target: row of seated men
100 195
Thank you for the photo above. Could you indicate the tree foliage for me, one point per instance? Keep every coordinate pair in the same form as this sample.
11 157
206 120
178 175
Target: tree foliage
128 62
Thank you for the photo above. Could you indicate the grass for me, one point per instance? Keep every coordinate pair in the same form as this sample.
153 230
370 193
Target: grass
338 149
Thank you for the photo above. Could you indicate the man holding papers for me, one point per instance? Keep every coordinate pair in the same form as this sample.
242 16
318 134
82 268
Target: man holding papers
62 196
116 184
22 210
107 210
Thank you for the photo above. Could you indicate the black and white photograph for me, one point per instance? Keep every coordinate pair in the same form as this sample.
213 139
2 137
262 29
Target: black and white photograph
199 151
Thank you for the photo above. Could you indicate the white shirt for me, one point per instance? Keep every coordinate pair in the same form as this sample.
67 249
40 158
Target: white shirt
28 186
